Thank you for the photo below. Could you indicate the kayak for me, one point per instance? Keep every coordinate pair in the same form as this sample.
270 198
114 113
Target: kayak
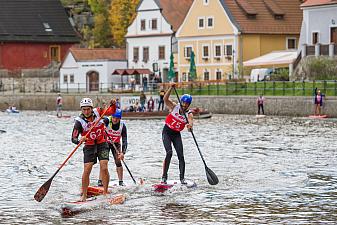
260 116
12 111
63 116
318 116
162 187
75 207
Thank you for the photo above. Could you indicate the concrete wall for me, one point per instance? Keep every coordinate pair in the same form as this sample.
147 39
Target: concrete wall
282 106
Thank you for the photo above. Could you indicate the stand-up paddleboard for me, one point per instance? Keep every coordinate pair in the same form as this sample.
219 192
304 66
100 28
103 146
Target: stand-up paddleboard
72 208
260 116
98 190
318 116
162 187
63 116
2 131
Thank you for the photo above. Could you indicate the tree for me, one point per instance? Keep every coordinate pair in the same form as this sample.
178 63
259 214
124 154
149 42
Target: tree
101 32
121 15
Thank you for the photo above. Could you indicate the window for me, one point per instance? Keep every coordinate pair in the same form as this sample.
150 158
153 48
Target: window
314 38
291 43
228 50
65 78
210 22
205 51
333 35
47 28
206 2
206 75
135 54
217 51
184 76
161 50
145 54
218 75
142 25
154 24
187 52
55 53
72 80
201 23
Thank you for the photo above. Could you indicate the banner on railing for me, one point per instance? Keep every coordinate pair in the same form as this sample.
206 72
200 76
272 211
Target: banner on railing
127 101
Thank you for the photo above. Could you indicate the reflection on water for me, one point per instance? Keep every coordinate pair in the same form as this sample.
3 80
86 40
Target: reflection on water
274 170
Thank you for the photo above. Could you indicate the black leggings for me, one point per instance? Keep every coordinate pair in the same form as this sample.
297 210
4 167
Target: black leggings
114 153
169 136
260 106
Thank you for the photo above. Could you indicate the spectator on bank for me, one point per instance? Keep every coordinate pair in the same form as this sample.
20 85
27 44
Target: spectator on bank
318 101
132 83
145 83
260 101
142 99
161 99
118 104
150 105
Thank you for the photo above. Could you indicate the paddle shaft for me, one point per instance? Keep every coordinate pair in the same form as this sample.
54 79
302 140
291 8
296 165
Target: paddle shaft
127 168
195 141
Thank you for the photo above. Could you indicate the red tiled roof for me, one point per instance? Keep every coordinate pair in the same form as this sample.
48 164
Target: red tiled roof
318 2
264 22
86 54
175 11
131 71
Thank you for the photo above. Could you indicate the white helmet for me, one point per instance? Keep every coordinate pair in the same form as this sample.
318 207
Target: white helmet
86 102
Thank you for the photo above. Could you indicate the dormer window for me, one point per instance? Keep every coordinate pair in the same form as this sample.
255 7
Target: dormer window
206 2
47 27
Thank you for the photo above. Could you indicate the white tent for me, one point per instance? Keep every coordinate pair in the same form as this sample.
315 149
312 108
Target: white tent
285 58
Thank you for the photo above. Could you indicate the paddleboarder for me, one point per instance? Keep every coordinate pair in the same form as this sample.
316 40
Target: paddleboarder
115 131
95 142
59 103
260 102
175 122
318 101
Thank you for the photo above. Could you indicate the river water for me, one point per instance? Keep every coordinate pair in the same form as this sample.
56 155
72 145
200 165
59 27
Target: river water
274 170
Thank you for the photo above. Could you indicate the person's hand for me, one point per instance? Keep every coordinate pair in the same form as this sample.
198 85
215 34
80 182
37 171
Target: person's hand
173 84
112 102
83 139
120 156
189 127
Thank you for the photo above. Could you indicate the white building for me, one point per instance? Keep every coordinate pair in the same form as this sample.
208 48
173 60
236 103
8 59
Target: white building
319 28
87 70
151 36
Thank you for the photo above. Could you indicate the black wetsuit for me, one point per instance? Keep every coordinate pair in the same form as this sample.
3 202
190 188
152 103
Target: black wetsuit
170 136
118 145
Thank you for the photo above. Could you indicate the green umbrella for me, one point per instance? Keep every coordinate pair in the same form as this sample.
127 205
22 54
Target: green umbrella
193 70
171 74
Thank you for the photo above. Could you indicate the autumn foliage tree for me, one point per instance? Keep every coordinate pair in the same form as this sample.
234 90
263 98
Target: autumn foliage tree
121 15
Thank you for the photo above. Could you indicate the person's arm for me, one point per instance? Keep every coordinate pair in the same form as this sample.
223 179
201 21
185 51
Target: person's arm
76 132
124 139
106 121
190 121
111 110
167 100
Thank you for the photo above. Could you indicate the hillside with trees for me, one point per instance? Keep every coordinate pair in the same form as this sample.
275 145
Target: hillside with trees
101 23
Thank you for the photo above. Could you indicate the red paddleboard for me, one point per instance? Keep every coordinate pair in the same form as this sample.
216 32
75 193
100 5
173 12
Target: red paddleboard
318 116
98 190
162 187
72 208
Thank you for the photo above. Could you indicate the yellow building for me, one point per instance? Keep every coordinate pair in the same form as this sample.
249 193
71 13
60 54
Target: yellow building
222 34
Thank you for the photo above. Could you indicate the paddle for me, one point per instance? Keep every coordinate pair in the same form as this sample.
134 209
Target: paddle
127 168
43 190
211 176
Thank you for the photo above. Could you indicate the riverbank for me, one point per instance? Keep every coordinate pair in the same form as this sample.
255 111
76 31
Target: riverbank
275 105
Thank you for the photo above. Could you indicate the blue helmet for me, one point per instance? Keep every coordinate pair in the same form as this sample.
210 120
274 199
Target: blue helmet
186 98
118 114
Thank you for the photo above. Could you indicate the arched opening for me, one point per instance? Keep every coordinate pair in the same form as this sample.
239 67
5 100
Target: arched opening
92 81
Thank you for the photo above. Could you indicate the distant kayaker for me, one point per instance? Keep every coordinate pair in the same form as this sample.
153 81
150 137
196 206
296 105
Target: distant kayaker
318 101
260 102
59 103
116 130
175 122
95 142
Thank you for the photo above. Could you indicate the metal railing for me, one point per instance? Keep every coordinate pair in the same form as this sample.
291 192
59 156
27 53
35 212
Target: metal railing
221 88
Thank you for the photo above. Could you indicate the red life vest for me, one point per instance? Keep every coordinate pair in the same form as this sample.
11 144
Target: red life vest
96 135
175 121
114 135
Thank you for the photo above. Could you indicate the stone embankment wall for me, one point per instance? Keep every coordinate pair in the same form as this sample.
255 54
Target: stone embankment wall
282 106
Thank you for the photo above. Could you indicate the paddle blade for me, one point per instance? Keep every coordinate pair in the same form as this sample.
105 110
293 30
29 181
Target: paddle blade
211 176
43 190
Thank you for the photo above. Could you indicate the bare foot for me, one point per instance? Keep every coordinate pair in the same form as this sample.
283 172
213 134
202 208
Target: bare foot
83 198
